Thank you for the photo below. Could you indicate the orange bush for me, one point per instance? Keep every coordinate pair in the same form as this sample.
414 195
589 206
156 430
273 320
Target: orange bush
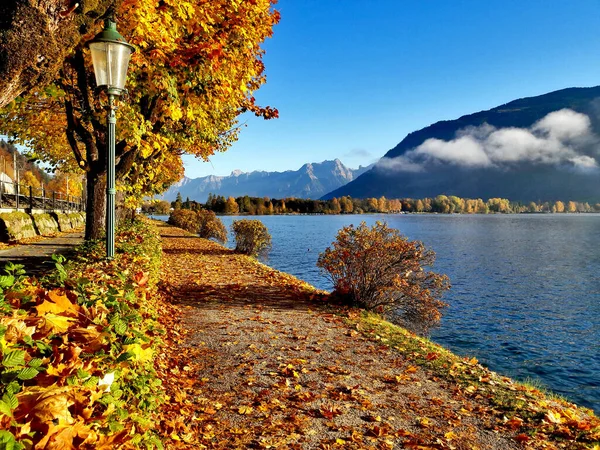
251 237
379 269
210 226
184 218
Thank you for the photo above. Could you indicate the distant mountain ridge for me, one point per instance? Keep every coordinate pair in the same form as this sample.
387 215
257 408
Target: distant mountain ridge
538 148
312 180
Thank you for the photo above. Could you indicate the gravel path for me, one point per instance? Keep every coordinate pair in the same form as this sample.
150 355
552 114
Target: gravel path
36 255
278 369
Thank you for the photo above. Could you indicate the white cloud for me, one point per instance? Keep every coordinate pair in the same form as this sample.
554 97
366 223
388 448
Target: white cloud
584 162
561 137
465 150
564 125
399 164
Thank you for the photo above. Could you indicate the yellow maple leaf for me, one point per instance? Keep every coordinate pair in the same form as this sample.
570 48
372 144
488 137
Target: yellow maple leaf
245 409
56 324
553 417
450 435
140 353
58 304
56 370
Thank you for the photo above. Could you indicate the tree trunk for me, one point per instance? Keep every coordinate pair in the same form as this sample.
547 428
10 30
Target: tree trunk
95 213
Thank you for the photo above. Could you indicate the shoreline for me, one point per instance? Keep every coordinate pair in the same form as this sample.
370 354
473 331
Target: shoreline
530 417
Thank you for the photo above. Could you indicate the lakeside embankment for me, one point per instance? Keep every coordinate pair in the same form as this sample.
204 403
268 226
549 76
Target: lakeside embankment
524 297
230 353
266 361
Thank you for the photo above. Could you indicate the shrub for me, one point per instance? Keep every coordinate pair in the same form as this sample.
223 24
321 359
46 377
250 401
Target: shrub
379 269
251 237
210 226
184 218
100 318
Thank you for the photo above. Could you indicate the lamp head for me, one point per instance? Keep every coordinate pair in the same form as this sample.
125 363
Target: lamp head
110 57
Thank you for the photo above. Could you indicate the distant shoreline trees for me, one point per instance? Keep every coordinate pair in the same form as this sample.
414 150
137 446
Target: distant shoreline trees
441 204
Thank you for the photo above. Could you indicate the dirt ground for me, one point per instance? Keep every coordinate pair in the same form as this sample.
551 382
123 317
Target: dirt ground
269 365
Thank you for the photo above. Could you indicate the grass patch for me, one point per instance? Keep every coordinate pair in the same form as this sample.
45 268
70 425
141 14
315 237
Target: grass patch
536 416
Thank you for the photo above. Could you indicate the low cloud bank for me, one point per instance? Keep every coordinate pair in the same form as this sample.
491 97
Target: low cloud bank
562 138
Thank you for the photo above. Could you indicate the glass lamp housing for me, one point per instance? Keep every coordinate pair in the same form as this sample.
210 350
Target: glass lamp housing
110 57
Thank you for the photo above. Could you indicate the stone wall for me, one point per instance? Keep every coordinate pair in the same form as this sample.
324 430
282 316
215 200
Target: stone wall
17 225
45 224
63 220
77 219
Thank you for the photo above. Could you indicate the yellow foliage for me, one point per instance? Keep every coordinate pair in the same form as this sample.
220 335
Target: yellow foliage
196 68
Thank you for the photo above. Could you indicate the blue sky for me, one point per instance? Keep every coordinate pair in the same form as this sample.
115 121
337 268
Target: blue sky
352 77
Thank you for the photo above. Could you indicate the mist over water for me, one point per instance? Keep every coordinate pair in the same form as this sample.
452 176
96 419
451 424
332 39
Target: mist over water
525 297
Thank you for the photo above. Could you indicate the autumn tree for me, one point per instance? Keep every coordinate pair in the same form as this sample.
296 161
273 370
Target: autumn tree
419 206
65 184
335 206
346 205
52 29
499 205
197 65
27 178
382 204
160 207
441 204
231 206
378 268
372 204
395 205
559 207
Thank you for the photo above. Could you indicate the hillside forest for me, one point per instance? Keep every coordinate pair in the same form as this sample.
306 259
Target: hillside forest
441 204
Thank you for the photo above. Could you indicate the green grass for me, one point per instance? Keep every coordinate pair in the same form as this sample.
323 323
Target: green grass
529 400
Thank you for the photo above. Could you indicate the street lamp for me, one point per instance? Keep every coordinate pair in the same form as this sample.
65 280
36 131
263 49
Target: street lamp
110 56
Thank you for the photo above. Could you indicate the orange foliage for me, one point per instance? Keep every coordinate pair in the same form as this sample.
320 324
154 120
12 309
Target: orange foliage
380 269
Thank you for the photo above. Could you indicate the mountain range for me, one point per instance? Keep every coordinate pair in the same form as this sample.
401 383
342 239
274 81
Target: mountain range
538 148
312 180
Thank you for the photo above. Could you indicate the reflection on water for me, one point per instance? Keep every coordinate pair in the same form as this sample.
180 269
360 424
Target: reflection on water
525 297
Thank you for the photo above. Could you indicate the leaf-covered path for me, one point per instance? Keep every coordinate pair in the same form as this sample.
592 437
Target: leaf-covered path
260 362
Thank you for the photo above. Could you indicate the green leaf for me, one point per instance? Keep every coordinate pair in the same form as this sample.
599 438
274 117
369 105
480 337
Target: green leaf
8 441
14 358
6 281
35 362
43 347
28 373
120 327
91 382
125 356
82 374
13 387
11 400
115 426
6 410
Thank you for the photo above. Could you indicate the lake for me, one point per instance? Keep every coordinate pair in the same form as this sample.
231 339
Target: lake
525 297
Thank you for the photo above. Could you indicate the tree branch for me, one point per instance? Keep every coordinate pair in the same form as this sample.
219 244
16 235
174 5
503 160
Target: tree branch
70 131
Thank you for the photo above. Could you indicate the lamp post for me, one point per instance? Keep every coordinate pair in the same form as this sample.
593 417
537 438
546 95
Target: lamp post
110 56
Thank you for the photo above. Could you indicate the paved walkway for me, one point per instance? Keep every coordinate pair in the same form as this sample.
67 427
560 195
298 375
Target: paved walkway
37 256
269 368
